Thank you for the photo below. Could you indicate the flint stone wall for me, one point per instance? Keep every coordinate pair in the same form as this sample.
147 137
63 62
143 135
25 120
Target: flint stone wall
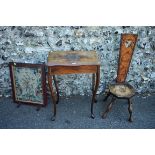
32 44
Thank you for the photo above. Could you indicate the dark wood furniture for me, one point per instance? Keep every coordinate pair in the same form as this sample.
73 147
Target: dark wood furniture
28 83
72 62
121 89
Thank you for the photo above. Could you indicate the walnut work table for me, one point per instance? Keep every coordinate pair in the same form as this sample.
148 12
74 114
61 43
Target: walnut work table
72 62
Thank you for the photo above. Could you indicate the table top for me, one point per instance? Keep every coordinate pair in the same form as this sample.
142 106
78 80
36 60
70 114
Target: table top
72 58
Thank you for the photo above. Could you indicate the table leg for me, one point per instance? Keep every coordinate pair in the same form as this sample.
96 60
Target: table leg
93 81
95 90
53 97
57 90
93 85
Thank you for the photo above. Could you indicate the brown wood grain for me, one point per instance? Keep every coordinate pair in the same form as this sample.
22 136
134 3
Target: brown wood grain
43 81
72 58
57 70
128 42
73 62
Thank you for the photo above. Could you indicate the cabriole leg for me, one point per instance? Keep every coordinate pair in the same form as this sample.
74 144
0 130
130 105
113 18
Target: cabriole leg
57 90
95 90
53 97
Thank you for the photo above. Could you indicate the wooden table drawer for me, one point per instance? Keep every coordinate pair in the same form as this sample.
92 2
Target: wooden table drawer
71 70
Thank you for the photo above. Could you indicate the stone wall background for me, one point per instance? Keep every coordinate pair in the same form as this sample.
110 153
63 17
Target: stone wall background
32 44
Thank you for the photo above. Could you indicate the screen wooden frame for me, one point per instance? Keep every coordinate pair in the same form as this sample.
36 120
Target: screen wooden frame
43 82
